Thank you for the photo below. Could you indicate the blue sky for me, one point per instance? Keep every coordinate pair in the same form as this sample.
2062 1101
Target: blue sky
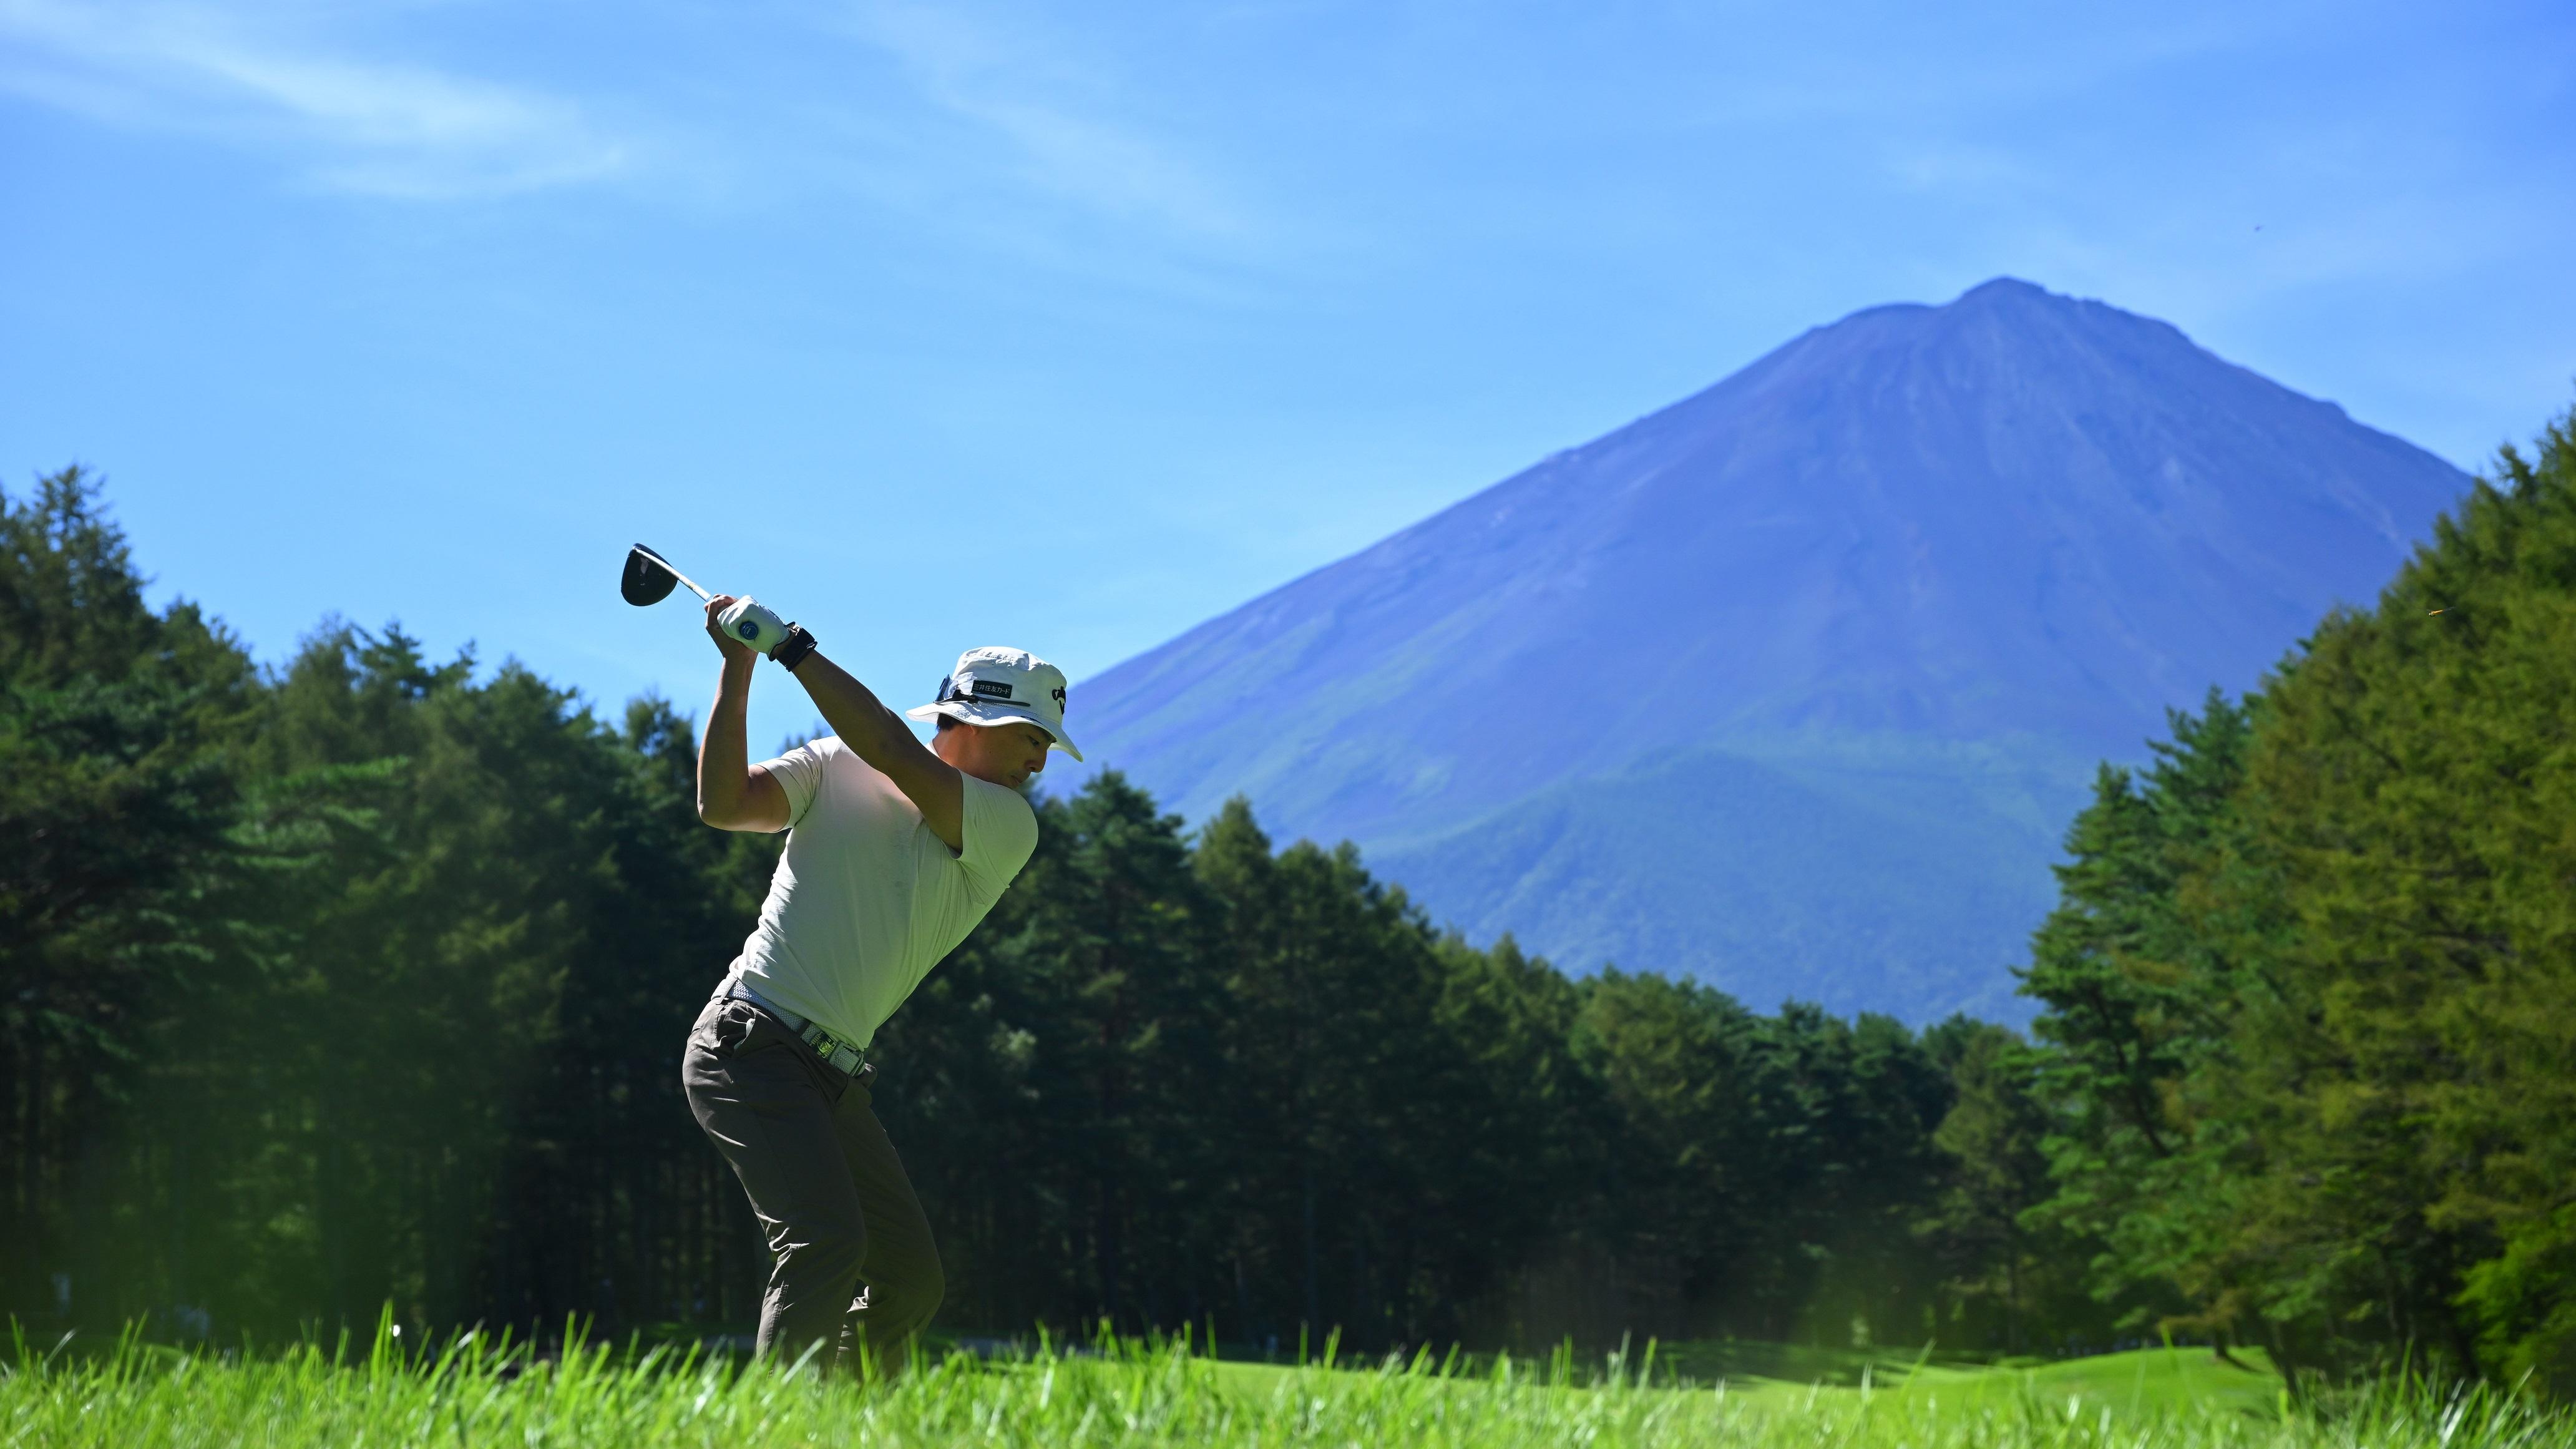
1069 326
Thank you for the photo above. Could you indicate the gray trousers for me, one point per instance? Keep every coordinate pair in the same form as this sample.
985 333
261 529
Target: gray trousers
831 1194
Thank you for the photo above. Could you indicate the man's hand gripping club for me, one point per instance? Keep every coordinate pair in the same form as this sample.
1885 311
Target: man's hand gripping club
747 621
733 794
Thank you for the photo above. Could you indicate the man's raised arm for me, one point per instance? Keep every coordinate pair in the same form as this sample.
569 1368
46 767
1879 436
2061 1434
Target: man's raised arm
731 794
879 736
873 732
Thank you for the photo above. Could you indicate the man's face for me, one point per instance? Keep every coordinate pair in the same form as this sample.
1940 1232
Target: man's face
1004 754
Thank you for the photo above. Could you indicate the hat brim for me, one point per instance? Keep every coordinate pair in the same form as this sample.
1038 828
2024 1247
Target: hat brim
987 714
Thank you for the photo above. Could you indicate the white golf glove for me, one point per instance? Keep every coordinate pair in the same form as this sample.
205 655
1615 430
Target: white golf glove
752 622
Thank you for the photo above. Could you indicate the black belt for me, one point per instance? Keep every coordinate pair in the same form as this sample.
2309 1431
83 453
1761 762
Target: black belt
837 1053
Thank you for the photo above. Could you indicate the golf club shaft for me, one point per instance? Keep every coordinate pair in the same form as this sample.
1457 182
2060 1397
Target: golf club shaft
683 578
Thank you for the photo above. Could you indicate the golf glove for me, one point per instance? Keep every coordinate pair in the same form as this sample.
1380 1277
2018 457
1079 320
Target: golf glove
751 621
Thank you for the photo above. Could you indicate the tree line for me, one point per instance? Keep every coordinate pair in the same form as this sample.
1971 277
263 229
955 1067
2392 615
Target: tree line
363 979
2309 1044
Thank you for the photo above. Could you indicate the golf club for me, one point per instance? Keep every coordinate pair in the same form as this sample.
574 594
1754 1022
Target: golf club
649 577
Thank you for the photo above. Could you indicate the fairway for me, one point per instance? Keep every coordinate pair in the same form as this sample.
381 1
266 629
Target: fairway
145 1397
2146 1380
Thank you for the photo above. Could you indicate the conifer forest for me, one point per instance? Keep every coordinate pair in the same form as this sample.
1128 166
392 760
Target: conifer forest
361 979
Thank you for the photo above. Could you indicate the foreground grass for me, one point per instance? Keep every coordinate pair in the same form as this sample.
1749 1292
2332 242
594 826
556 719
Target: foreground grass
2145 1382
142 1399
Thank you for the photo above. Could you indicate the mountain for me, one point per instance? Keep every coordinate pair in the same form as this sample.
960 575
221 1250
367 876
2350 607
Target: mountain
1794 685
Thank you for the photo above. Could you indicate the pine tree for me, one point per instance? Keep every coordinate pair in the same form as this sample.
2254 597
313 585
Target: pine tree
118 783
2140 995
2417 787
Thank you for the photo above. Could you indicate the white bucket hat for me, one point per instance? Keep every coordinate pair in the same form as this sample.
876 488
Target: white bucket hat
995 686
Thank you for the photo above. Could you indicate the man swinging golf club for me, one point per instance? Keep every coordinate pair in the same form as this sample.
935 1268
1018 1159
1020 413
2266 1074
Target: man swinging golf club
895 851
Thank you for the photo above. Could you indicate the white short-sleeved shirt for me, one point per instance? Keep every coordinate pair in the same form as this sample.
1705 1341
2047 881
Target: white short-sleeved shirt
866 900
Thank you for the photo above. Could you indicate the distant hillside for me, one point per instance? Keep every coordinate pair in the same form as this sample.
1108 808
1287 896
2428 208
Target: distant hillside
1794 685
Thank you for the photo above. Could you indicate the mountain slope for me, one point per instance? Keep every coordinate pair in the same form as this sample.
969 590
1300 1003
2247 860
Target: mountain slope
1792 685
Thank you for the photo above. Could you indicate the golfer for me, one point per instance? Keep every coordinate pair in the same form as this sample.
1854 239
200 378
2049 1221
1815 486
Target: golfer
895 850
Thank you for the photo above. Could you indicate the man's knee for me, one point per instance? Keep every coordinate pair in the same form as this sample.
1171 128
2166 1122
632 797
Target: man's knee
932 1290
907 1298
815 1270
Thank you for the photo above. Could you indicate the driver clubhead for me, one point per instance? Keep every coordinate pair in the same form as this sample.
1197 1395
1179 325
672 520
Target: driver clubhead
648 579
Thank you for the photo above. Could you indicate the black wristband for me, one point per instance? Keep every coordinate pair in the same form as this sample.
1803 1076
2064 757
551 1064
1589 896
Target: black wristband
791 651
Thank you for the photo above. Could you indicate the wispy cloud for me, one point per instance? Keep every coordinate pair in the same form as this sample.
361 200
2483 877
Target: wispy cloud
1056 120
349 124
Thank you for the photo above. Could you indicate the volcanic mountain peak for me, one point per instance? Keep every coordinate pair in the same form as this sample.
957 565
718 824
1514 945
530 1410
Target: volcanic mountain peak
1977 545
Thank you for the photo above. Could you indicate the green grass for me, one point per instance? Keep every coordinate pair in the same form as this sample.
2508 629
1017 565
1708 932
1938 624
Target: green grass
2156 1379
2132 1386
142 1398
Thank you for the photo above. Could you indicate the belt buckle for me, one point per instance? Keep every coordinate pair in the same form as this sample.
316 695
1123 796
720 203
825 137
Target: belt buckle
828 1047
